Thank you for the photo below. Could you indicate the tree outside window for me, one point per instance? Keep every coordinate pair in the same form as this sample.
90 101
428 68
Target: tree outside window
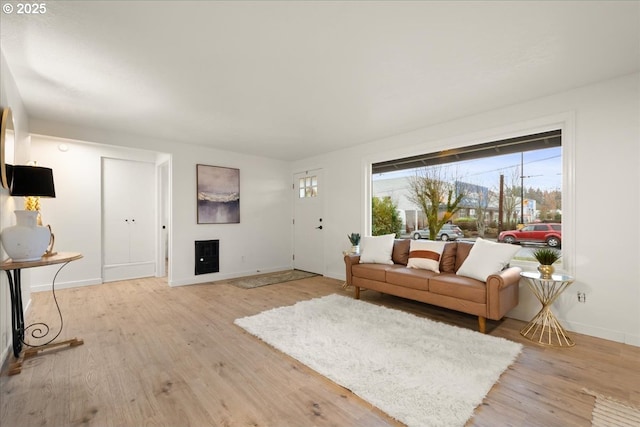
433 191
385 217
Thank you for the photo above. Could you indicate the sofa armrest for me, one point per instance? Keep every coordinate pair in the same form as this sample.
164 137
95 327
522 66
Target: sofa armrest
350 260
507 277
503 291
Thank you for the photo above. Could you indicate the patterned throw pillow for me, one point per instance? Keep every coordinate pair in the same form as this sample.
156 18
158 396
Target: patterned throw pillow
425 254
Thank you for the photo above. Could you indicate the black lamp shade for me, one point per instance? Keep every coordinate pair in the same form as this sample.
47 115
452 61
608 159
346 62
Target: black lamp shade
32 181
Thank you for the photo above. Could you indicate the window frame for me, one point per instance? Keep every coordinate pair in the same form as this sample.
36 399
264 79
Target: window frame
564 121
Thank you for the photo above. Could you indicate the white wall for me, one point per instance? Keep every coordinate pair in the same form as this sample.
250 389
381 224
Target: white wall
601 240
75 213
10 97
601 121
261 242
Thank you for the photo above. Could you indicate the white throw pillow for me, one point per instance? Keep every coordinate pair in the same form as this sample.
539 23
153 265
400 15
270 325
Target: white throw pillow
425 254
376 249
487 258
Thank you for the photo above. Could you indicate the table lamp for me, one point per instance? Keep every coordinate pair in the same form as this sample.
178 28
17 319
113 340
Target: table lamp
27 241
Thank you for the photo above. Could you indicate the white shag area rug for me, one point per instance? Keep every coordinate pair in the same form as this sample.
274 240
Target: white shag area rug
420 372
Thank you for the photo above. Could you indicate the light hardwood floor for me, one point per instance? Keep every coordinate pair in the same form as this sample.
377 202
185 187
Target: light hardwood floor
161 356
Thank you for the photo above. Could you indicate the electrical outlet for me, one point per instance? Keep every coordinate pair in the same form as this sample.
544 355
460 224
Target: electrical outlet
582 297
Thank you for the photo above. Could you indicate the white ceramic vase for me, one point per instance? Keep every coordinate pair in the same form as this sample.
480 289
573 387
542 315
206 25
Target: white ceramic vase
25 241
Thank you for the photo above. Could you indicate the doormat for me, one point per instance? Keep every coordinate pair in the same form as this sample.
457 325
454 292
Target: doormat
608 412
251 282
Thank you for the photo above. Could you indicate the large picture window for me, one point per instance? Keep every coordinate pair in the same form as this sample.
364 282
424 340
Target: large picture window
508 190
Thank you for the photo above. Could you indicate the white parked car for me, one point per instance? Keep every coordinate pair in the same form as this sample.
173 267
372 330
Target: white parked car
447 232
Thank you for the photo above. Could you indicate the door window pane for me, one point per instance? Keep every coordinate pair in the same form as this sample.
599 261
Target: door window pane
308 187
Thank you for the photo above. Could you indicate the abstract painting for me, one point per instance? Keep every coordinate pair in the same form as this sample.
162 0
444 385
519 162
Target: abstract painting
218 195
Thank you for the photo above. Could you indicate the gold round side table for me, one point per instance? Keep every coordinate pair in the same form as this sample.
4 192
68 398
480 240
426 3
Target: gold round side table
544 328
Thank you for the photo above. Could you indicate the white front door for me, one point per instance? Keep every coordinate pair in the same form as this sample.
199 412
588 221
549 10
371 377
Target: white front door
308 227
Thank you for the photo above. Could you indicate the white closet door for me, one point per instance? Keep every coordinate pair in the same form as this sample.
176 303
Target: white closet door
115 211
142 209
128 197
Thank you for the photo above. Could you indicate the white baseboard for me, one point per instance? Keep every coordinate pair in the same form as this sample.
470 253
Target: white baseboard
66 285
6 349
134 270
338 275
4 354
632 340
603 333
215 277
7 346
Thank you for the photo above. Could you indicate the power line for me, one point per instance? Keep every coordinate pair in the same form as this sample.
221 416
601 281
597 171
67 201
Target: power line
515 166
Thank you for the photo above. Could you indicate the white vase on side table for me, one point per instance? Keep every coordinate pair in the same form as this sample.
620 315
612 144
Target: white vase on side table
25 241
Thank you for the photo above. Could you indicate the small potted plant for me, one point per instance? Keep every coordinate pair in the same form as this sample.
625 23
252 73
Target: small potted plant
354 238
546 257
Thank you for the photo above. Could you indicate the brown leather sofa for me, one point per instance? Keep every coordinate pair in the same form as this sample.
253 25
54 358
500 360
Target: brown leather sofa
490 300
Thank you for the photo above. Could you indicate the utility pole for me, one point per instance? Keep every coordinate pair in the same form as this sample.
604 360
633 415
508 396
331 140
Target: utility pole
522 177
501 204
522 188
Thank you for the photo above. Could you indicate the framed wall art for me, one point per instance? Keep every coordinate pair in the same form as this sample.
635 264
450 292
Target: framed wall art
218 195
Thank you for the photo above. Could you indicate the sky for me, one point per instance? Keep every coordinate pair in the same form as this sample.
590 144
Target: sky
541 169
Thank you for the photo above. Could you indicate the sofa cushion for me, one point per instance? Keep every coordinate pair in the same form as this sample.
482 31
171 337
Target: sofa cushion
459 287
400 254
376 249
425 254
487 258
410 278
462 252
448 258
373 271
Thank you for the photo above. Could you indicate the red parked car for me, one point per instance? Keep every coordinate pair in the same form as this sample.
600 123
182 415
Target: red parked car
551 234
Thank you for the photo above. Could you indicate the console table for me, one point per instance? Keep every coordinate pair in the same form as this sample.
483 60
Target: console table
544 328
18 328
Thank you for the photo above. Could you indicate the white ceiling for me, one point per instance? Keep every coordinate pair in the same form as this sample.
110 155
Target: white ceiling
290 80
